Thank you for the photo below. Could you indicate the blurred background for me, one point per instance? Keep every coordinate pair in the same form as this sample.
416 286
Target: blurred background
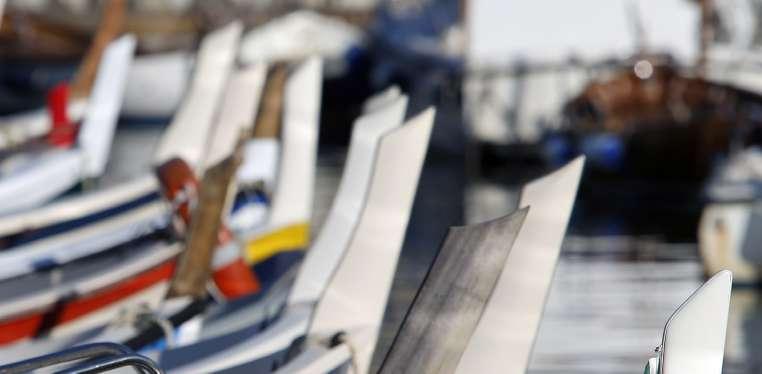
663 97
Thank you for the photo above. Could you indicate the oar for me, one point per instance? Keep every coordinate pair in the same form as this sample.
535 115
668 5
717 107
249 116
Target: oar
112 24
446 310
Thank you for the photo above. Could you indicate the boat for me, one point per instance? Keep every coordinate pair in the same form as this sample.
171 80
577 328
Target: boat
331 242
341 341
355 295
727 234
693 340
154 279
56 169
20 128
156 263
321 260
452 297
275 245
518 301
105 217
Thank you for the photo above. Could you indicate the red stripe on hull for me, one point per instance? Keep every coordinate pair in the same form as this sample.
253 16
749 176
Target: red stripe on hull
15 329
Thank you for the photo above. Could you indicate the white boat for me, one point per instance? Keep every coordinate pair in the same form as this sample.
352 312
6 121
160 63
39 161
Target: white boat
215 48
338 226
53 171
275 245
328 248
102 218
694 336
20 128
362 278
727 232
518 301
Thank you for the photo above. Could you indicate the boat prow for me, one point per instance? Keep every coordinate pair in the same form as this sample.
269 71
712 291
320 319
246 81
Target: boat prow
694 336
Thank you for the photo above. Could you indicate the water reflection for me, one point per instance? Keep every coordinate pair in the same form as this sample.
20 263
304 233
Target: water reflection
743 353
606 312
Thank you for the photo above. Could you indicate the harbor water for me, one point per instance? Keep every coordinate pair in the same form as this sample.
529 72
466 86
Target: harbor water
610 297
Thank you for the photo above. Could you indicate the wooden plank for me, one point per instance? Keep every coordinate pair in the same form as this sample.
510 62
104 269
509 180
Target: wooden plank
194 266
292 200
110 27
503 339
456 289
271 111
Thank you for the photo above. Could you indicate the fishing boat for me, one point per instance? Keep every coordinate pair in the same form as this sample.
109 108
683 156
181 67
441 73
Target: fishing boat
693 340
20 128
227 323
106 217
157 277
360 283
108 283
278 243
54 170
452 298
341 341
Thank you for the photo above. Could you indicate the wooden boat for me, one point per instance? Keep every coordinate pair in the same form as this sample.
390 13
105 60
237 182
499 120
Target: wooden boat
329 246
157 84
519 297
452 298
626 123
694 336
20 128
276 245
378 234
101 219
112 283
338 226
53 171
528 267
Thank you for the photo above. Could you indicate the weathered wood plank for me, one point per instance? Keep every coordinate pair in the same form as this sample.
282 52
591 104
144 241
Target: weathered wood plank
111 25
194 266
270 111
456 289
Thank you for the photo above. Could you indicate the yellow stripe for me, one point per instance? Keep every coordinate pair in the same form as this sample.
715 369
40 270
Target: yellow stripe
289 238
